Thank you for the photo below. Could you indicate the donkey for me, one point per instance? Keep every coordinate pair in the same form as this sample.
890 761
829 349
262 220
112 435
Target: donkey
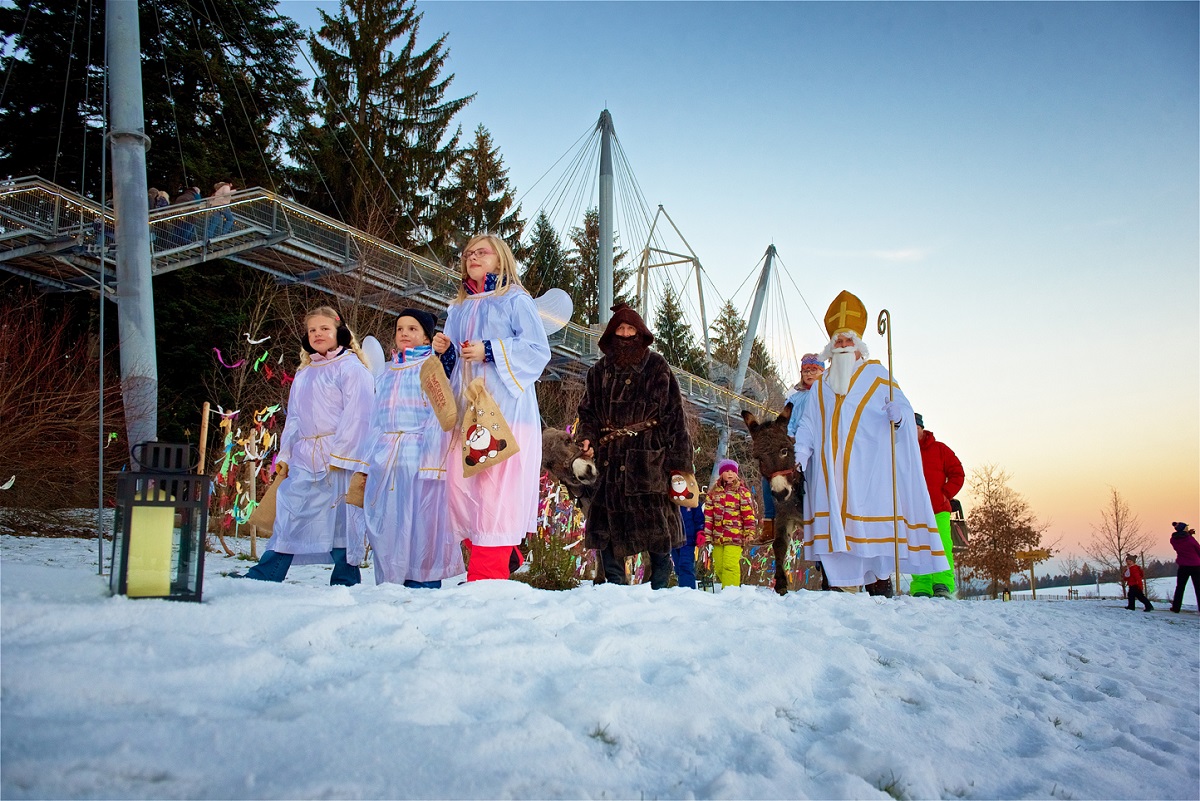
567 465
774 450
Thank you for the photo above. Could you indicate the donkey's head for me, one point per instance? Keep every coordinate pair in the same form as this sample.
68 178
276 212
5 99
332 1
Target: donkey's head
774 450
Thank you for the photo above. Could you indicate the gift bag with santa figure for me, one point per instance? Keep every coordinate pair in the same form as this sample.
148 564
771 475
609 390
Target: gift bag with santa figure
684 490
487 439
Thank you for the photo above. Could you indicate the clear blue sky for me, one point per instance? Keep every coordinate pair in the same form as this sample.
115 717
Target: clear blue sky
1016 182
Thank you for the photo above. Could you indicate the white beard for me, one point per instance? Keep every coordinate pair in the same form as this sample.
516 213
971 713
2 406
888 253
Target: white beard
841 369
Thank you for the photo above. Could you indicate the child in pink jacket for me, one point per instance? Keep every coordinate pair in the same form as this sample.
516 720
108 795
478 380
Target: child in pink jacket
728 522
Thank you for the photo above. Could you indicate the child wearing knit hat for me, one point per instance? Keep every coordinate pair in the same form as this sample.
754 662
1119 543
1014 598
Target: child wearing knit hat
728 521
811 369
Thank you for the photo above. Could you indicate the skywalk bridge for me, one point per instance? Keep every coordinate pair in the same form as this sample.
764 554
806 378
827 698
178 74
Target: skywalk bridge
64 242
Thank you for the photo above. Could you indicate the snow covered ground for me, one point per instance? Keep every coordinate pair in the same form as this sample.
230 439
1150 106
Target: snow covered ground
496 690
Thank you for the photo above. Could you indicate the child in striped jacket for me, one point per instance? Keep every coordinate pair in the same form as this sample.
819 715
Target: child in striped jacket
728 522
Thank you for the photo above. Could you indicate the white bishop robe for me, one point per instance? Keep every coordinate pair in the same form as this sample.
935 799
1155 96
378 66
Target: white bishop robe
848 517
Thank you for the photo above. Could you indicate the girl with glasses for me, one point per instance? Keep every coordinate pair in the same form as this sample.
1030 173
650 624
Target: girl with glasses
493 331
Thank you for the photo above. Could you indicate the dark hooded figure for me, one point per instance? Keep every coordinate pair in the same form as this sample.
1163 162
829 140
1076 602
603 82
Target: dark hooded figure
631 416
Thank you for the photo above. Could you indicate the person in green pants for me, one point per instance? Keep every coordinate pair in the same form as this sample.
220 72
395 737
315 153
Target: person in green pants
944 476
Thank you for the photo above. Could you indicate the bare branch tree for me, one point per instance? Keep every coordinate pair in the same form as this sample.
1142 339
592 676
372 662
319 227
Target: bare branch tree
1071 563
49 395
1119 534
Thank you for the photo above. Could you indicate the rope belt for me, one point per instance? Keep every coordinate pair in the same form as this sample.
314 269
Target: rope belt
319 436
632 430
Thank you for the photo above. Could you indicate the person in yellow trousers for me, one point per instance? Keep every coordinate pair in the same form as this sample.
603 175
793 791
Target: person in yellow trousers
728 521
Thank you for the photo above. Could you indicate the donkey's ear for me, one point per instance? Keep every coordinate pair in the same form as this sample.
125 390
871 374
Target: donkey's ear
786 414
751 420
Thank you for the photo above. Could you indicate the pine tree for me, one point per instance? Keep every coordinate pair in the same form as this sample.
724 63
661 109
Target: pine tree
584 262
218 83
761 361
729 329
480 198
380 151
545 262
674 338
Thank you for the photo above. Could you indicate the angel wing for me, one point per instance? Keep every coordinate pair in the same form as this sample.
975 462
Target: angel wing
376 361
555 308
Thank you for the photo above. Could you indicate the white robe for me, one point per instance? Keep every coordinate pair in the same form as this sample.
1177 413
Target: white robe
848 513
405 504
328 417
499 505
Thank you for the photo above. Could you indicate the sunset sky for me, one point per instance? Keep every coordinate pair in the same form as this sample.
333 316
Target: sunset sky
1016 182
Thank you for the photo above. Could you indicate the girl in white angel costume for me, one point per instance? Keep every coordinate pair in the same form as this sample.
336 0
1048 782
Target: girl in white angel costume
405 502
495 330
322 453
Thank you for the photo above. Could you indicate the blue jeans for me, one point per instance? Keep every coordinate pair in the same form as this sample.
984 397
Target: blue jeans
423 585
219 222
274 567
684 558
768 500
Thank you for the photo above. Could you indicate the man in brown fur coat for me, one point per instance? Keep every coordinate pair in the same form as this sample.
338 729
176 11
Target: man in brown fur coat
631 421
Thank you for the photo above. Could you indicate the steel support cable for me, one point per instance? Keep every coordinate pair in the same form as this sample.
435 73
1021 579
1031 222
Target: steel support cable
563 217
523 195
170 94
211 82
817 322
238 93
782 318
350 126
12 59
87 91
62 111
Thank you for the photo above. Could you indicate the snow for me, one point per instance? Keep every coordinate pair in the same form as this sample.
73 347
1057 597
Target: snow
497 690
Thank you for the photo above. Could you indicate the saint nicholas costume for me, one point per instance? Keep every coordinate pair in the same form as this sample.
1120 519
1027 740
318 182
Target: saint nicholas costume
848 509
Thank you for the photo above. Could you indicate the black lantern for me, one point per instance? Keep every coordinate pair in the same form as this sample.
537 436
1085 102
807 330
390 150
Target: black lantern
161 522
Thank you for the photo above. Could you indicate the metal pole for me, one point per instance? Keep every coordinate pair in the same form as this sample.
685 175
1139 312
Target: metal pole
699 287
739 378
135 292
605 278
885 327
103 299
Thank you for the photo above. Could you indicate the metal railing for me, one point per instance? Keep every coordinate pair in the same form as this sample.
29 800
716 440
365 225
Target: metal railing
271 233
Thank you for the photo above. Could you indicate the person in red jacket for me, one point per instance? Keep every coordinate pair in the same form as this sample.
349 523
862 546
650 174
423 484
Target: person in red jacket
1187 557
944 477
1135 584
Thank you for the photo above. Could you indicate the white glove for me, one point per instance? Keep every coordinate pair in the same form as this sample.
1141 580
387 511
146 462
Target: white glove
894 411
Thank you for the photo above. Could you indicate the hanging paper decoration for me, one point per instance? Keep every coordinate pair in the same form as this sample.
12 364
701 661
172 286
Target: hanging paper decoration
221 359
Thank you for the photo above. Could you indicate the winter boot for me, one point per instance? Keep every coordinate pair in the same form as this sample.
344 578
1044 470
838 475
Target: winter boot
882 587
942 591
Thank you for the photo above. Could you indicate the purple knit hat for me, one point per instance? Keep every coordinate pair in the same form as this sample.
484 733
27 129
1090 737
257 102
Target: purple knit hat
727 464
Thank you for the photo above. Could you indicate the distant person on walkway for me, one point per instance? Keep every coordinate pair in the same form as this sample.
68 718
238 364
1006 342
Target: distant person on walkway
220 221
1135 584
728 522
845 432
1187 557
631 422
944 477
324 446
684 557
186 228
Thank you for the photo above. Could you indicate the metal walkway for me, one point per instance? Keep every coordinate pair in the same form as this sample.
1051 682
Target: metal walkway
62 241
